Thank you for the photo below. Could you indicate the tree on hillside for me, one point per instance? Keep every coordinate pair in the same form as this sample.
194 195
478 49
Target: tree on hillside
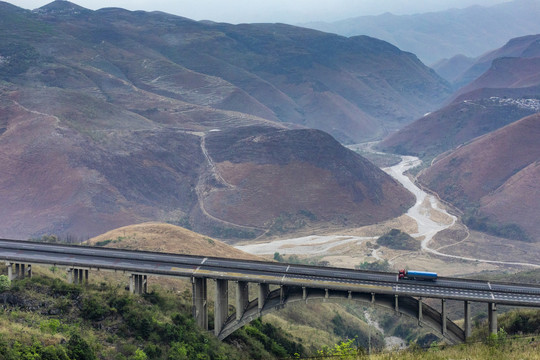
399 240
5 283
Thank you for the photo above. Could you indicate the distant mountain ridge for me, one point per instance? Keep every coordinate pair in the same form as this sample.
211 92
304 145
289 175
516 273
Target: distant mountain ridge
507 91
512 66
112 117
443 34
353 88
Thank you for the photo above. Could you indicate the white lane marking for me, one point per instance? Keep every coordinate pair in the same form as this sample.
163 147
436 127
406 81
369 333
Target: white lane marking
489 286
288 266
197 269
283 278
204 260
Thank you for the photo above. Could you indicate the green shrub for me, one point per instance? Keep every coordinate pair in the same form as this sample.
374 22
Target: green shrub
481 223
78 348
399 240
93 308
378 265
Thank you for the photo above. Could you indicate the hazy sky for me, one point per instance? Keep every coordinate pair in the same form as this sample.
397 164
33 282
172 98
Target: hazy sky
288 11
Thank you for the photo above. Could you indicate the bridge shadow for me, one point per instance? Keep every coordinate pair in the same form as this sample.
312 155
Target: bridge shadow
402 305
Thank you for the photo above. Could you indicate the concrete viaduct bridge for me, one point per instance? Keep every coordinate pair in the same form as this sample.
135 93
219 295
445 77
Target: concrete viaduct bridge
277 285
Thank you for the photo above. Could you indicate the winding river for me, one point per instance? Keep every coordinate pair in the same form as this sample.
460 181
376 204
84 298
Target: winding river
421 212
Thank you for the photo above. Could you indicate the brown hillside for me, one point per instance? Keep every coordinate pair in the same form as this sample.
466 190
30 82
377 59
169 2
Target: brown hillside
458 123
167 238
497 173
303 176
107 119
507 73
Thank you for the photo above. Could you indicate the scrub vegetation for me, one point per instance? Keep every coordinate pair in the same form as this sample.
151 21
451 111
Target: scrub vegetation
46 318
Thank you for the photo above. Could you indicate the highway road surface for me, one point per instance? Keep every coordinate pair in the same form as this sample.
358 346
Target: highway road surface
163 264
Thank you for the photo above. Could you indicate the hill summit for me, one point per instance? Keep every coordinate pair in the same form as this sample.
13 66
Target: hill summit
166 238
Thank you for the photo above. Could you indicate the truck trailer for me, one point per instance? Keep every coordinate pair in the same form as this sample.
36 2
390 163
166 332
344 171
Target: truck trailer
417 275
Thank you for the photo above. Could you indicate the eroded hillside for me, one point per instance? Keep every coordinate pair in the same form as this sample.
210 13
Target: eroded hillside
108 119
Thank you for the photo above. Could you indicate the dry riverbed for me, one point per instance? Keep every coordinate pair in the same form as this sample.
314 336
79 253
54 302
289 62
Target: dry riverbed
439 232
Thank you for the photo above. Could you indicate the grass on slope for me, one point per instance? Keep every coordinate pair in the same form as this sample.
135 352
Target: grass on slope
46 318
161 237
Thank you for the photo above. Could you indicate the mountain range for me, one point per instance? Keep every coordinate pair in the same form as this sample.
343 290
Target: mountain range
435 36
506 91
113 117
483 146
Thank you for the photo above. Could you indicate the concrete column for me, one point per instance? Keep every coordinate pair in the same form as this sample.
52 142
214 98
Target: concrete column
70 275
304 293
443 316
492 318
132 283
396 304
29 270
200 309
373 298
264 290
17 270
467 318
22 272
86 276
138 284
80 276
420 315
10 270
221 305
326 294
282 294
242 298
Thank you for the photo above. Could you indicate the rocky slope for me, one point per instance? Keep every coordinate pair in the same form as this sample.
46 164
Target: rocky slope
111 117
494 179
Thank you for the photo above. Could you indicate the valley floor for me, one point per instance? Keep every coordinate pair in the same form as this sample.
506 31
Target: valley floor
447 246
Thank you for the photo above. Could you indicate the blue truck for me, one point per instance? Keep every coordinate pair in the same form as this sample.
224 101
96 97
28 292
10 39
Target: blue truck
417 275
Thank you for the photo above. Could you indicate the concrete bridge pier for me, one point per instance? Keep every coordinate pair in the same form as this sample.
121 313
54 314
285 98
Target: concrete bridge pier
18 270
443 317
200 306
138 284
77 276
242 298
264 290
221 305
420 316
467 318
492 318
